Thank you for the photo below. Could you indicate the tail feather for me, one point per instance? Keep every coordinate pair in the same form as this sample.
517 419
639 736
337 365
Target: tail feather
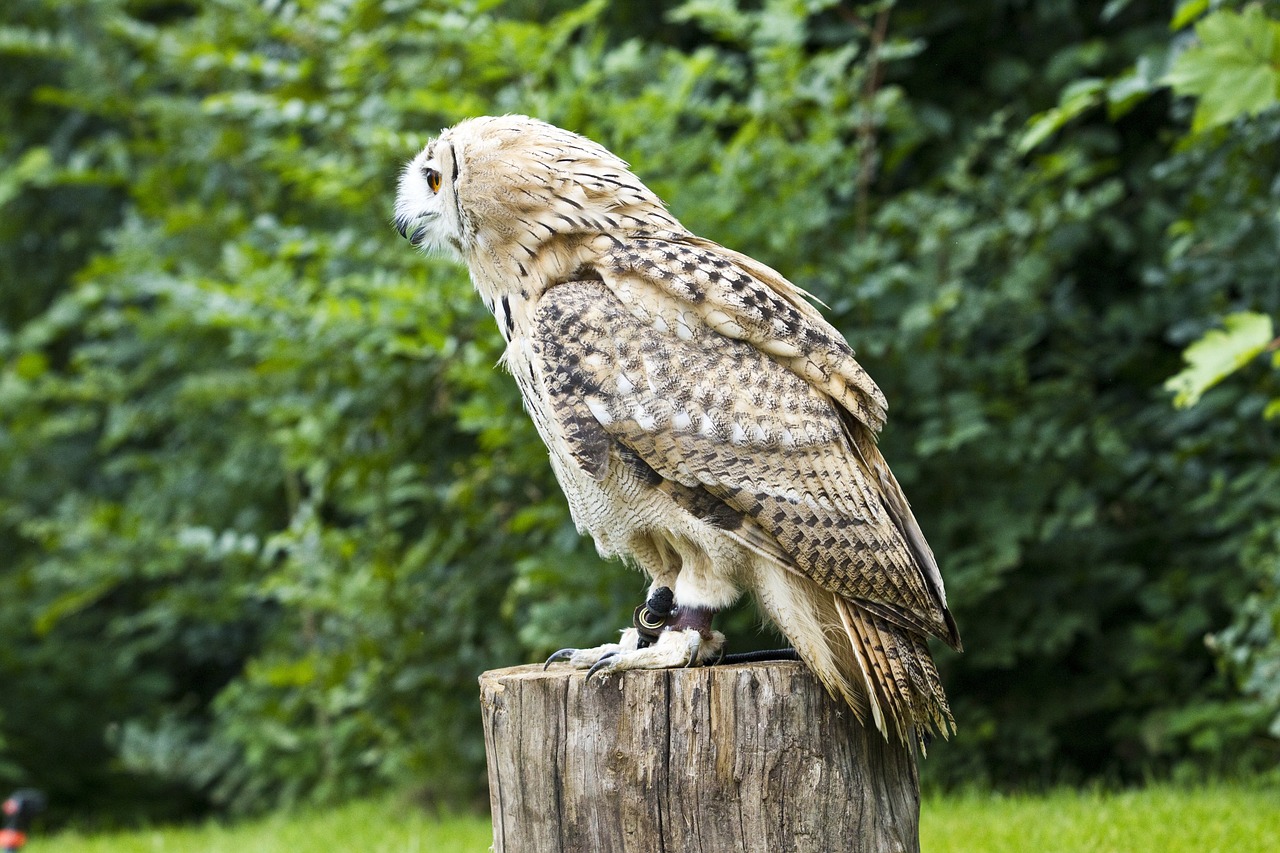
864 661
901 673
882 670
929 684
895 682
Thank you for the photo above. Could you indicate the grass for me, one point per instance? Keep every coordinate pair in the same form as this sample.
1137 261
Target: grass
375 826
1170 820
1177 820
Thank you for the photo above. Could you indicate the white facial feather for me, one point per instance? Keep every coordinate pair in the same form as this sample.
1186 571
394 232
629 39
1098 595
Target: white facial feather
427 217
517 201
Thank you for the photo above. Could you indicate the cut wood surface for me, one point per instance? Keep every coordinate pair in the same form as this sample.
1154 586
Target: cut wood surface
745 757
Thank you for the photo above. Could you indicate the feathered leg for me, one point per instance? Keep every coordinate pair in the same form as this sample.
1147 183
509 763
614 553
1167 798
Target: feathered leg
673 628
662 636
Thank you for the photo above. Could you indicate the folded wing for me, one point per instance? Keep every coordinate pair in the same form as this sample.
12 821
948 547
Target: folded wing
729 423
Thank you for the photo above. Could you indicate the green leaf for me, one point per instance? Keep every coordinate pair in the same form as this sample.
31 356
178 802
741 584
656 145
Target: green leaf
31 365
35 167
1114 9
1076 98
1127 90
1218 354
1233 71
1187 11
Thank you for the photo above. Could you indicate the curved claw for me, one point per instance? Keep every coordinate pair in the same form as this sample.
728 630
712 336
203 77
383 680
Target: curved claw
563 654
693 652
604 661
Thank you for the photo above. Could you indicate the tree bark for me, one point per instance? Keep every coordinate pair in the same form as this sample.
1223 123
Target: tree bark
750 757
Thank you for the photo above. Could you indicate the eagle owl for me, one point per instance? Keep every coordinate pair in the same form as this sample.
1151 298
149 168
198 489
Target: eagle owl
704 421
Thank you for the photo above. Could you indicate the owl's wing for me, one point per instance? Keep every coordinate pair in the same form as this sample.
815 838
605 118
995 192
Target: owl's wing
743 299
735 437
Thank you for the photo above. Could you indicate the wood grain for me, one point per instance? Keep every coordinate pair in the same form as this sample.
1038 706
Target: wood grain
749 757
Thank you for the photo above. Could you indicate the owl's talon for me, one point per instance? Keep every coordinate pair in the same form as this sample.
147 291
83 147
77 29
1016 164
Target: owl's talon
675 648
694 643
604 663
584 658
563 654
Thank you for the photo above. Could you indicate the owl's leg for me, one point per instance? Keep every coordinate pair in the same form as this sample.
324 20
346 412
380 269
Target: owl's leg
662 636
686 640
673 628
646 624
683 638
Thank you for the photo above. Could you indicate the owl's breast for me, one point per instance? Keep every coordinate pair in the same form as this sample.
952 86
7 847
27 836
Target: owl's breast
614 500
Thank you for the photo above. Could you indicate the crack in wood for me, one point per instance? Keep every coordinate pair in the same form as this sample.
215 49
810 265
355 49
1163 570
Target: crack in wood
756 758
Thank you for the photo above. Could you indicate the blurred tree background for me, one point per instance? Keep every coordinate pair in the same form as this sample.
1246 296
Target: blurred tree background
267 508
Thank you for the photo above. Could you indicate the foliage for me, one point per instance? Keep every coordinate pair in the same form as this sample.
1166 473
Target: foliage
1233 70
267 508
1250 646
1219 354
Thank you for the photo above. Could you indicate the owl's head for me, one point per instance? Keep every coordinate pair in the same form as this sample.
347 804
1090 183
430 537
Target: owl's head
514 186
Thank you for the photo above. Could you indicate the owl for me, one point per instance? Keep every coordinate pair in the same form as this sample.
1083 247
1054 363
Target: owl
706 424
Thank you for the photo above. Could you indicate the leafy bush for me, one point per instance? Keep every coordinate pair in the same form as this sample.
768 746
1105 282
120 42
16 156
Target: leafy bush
268 509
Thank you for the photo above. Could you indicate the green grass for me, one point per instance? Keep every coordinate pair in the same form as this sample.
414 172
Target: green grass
1172 820
377 826
1169 820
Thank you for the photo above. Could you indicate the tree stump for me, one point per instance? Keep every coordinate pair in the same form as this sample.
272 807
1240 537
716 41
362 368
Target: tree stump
753 757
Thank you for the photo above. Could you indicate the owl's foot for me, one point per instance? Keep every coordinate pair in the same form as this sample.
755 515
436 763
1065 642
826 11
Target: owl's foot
676 647
663 636
647 622
587 658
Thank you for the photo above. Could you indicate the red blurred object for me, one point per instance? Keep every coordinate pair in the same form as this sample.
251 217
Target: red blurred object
19 809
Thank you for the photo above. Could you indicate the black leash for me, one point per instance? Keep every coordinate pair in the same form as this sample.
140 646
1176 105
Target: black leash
759 656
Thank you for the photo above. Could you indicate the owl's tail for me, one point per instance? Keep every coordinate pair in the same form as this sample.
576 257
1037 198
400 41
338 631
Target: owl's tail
897 674
883 671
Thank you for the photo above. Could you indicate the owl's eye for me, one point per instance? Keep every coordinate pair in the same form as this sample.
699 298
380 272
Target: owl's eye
433 179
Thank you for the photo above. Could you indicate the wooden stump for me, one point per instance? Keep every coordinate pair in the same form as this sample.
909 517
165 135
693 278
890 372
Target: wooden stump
752 757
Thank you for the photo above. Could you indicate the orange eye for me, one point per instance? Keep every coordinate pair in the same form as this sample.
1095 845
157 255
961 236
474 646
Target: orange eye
433 179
